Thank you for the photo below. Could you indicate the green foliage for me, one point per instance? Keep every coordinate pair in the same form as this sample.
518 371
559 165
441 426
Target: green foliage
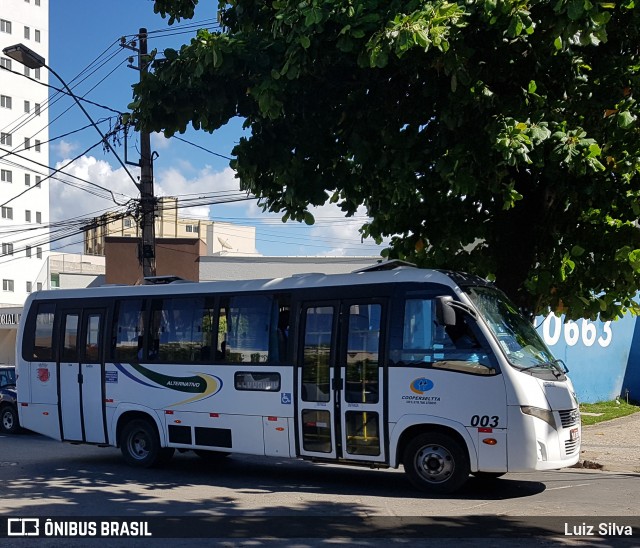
499 137
604 411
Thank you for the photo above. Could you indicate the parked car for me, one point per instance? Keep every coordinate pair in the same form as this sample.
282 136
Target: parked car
8 400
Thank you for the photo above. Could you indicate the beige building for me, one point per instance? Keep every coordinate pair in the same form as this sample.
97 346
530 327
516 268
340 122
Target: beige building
218 237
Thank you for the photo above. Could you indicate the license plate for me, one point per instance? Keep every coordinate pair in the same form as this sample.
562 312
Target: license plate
574 435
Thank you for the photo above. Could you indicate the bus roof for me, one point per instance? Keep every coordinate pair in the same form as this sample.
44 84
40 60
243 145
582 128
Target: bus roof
401 274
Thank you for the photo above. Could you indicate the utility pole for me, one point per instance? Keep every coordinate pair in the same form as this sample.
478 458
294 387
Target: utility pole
147 247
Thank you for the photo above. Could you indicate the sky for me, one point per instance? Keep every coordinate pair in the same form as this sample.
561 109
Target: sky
84 52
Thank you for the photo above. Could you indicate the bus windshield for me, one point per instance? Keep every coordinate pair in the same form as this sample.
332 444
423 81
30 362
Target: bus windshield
517 337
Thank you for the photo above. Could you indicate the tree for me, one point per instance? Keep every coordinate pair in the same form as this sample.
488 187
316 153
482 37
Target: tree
499 137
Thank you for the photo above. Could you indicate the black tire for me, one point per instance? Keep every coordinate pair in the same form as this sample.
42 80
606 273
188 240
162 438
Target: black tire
9 423
211 456
436 463
488 476
140 444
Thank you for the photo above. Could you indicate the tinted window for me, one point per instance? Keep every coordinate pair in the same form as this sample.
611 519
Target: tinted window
181 330
249 330
43 333
128 330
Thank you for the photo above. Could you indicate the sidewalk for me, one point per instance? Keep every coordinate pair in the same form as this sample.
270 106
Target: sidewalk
612 445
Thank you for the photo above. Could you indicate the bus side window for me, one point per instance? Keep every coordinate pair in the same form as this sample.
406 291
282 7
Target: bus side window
248 321
180 330
43 334
128 330
425 342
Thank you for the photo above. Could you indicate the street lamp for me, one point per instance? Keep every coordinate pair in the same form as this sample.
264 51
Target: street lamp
29 58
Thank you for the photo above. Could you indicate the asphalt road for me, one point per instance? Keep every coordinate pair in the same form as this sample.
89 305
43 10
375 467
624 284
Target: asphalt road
299 503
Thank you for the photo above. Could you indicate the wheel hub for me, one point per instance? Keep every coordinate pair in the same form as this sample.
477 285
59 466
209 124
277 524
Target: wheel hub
435 463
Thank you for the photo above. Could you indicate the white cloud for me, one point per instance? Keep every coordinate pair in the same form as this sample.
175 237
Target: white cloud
333 234
69 201
64 149
341 234
159 141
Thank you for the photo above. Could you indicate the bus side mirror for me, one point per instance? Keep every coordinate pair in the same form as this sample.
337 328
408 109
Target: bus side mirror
445 314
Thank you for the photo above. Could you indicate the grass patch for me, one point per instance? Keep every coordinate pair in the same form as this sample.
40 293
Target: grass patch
606 410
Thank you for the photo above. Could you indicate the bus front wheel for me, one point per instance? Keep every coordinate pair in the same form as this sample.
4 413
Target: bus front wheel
140 444
436 462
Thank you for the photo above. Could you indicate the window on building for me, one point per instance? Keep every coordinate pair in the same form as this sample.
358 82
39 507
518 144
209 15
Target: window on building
38 217
27 215
7 249
27 143
5 63
5 101
55 280
36 35
7 285
7 212
27 72
37 145
5 26
39 252
37 2
28 251
37 74
29 287
37 109
38 180
6 175
127 223
5 139
27 107
39 286
27 33
27 179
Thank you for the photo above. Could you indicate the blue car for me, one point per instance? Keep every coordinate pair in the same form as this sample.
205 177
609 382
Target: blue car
8 400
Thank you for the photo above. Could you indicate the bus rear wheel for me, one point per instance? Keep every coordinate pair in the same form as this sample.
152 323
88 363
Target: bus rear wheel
9 420
436 463
140 445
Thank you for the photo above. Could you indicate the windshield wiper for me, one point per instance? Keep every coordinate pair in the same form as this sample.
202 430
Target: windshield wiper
555 365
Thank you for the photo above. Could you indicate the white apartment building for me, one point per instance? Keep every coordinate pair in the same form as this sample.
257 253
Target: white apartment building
24 153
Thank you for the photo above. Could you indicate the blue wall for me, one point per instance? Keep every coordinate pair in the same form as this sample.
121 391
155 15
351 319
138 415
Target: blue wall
603 357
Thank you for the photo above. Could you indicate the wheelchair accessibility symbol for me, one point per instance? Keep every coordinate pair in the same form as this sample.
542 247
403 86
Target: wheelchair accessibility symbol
285 398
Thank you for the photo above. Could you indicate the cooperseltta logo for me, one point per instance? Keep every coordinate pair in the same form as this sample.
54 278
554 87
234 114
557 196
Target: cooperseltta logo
421 385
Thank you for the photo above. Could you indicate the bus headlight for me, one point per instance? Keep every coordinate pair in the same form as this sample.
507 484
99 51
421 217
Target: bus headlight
542 414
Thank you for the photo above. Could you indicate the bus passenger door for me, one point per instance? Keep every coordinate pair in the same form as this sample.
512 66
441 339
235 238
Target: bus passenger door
316 378
340 383
68 375
361 400
91 375
81 386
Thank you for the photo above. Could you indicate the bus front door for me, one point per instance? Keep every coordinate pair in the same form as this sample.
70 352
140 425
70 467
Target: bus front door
340 383
81 385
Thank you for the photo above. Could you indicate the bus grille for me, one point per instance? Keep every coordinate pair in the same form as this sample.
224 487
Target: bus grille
570 417
571 447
